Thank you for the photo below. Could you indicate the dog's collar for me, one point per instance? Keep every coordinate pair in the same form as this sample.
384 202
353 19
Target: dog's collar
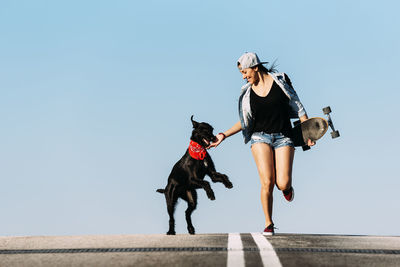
197 151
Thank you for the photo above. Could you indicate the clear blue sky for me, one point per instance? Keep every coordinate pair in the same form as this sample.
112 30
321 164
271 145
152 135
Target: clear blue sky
96 99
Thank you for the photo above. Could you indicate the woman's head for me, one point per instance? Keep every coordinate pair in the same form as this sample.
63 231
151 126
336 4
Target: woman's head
252 75
252 68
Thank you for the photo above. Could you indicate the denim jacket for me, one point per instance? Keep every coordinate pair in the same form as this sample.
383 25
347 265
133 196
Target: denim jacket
247 120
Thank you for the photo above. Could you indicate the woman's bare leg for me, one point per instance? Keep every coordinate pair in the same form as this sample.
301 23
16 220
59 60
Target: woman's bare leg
283 165
264 157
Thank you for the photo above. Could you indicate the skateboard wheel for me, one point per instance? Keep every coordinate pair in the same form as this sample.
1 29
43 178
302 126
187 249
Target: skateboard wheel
335 134
327 110
305 148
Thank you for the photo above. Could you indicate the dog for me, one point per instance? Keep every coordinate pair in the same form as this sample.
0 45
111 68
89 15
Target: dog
188 174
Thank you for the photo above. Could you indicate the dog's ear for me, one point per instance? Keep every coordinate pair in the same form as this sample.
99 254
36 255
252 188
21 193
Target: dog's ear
195 123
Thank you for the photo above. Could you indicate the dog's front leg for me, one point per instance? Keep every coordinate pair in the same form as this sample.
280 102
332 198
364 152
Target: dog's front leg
222 178
216 176
205 185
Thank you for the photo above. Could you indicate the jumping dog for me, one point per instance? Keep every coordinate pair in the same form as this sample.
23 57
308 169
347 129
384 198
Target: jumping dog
188 174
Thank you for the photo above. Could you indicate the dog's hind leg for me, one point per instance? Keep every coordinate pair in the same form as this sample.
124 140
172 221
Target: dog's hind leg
192 203
171 199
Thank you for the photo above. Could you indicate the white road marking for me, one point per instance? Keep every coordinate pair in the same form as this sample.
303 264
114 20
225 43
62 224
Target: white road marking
267 252
235 251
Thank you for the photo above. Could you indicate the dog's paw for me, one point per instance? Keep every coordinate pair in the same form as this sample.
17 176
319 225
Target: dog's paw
211 196
171 232
191 231
228 184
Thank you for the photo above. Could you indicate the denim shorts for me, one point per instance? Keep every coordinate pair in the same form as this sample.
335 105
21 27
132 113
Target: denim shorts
275 140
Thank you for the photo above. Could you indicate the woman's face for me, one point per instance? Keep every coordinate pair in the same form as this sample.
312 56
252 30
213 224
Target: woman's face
250 75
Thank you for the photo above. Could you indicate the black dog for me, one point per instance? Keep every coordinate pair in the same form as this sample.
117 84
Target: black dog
188 174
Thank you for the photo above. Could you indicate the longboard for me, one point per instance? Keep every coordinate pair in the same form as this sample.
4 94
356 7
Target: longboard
313 129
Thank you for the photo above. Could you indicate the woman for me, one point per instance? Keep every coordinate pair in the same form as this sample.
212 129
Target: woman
266 104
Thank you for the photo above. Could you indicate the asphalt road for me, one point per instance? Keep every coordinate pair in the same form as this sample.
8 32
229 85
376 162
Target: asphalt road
243 249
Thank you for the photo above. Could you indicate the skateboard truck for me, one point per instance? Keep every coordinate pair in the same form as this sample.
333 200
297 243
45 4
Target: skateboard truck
326 111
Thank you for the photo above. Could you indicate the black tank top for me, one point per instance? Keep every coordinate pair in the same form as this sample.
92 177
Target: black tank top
271 112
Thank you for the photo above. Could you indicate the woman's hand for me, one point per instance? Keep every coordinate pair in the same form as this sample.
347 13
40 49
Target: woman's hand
310 143
220 137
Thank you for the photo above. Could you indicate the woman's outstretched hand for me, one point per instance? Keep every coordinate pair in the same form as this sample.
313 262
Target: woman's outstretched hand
220 138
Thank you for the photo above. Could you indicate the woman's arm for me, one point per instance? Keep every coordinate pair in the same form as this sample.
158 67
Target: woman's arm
303 118
237 127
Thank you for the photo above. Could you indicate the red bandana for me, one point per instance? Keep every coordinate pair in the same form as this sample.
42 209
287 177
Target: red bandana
196 151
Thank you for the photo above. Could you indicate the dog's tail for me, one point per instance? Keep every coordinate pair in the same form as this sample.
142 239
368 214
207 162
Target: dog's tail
162 191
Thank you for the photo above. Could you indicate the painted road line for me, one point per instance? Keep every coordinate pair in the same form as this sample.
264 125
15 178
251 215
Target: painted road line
267 252
235 251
